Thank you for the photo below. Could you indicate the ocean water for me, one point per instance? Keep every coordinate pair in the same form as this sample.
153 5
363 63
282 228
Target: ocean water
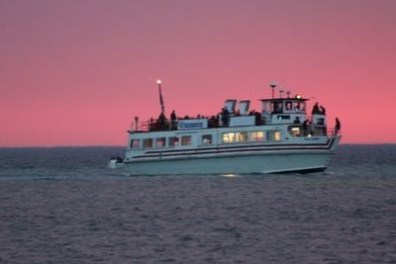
62 205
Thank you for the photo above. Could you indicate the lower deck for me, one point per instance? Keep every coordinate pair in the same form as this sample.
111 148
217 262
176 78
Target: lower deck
225 135
227 141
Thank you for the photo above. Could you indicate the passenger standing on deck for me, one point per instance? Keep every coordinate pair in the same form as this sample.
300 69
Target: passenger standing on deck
305 127
161 122
173 115
337 126
322 110
173 120
315 109
225 116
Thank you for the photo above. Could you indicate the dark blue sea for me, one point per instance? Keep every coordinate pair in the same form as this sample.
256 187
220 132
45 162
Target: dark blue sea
62 205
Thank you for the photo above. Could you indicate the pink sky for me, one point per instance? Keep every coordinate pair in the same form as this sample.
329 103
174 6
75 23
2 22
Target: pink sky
76 72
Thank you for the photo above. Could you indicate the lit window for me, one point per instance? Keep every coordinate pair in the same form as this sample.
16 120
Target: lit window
241 136
228 137
258 136
295 131
277 136
274 135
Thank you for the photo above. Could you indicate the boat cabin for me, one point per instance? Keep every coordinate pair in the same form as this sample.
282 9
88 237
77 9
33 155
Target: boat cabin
284 110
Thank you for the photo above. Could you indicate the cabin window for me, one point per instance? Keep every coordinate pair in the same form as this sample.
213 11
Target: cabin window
267 107
241 136
135 143
186 140
274 135
289 105
160 142
233 137
299 106
295 131
257 136
320 121
206 139
283 117
147 143
277 135
229 137
278 107
173 141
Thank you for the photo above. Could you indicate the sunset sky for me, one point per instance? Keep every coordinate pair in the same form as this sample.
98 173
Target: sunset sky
76 72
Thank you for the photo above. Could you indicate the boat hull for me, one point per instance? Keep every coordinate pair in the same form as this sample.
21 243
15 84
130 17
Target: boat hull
262 162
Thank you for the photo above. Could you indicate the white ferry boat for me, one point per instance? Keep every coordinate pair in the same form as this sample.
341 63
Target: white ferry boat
281 137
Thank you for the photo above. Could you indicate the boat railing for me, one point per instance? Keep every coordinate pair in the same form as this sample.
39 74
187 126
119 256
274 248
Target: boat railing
301 130
166 124
213 122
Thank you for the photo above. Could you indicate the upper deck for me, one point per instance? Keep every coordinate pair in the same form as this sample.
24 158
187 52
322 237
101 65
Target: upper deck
274 111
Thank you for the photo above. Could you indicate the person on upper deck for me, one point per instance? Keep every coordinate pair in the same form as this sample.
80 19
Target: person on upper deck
173 115
173 120
337 126
322 110
305 127
225 116
161 122
315 109
318 110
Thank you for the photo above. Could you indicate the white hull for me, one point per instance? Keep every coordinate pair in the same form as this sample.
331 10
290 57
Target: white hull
269 161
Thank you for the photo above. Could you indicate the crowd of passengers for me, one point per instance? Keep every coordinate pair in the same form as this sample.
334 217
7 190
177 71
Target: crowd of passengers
162 123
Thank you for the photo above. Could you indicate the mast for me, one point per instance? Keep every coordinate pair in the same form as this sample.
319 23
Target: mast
160 97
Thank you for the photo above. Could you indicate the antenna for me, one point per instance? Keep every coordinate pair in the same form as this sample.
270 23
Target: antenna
281 92
136 123
273 86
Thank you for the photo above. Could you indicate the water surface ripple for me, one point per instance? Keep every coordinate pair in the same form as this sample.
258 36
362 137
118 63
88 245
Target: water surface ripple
62 205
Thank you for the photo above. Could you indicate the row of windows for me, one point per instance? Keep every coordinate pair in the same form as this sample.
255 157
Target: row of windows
240 137
160 142
280 107
228 137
